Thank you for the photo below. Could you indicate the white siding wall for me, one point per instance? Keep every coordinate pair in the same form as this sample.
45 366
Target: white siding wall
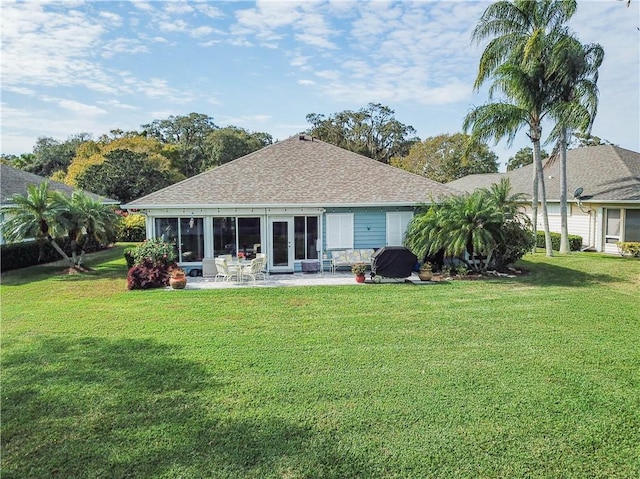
578 222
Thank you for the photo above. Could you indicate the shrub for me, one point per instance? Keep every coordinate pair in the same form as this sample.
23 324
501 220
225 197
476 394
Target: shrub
132 228
156 250
517 240
575 241
629 248
147 275
23 255
128 256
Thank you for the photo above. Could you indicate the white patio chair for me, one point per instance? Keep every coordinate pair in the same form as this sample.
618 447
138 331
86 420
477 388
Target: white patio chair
224 272
263 266
253 269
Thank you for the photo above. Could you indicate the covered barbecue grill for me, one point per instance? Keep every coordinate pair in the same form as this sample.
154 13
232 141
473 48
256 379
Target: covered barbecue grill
393 262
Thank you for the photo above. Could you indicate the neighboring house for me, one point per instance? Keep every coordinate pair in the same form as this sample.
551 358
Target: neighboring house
603 194
14 181
296 200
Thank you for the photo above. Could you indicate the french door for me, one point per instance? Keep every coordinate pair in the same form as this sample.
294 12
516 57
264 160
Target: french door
281 256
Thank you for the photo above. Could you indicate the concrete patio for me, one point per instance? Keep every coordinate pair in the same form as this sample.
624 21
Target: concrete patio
283 280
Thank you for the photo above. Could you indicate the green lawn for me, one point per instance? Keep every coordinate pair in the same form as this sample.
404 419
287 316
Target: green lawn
536 376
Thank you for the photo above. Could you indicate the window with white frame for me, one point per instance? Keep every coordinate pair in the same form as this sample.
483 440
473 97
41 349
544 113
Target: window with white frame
306 237
397 223
339 230
554 208
612 234
187 235
632 225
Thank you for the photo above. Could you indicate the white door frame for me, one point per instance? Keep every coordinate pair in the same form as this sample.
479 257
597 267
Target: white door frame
281 268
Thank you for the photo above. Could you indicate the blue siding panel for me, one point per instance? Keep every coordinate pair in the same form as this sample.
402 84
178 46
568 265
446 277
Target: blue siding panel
370 226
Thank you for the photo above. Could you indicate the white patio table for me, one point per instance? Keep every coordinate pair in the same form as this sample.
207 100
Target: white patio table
236 266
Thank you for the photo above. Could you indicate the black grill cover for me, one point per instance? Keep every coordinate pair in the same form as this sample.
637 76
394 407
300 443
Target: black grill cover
393 262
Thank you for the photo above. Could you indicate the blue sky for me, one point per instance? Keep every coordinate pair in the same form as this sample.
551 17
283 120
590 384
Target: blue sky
76 66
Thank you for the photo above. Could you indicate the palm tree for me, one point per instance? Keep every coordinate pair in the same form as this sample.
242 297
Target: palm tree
86 218
575 68
522 33
462 225
37 215
528 106
509 204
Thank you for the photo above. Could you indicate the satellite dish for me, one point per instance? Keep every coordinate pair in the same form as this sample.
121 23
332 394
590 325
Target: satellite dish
578 192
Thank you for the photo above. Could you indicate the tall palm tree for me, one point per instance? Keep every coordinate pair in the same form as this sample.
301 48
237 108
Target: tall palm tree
527 105
575 74
38 214
522 33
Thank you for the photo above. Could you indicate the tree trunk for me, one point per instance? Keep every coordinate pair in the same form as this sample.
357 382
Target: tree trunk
535 139
534 202
60 251
564 229
74 255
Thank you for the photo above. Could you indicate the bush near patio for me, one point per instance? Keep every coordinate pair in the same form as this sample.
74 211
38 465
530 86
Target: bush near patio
152 262
534 376
482 230
575 241
131 228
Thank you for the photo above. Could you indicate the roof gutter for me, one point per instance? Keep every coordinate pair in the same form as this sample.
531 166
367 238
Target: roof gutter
267 206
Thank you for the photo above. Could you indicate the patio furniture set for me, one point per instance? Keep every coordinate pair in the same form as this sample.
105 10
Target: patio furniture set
229 269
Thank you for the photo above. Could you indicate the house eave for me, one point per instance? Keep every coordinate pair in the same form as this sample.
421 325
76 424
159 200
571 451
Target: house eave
203 206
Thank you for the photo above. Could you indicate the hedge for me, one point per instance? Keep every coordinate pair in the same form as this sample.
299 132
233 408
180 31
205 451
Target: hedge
23 255
575 241
629 248
131 229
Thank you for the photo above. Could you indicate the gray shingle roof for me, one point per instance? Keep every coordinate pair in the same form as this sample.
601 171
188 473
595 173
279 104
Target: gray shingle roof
606 172
304 172
14 181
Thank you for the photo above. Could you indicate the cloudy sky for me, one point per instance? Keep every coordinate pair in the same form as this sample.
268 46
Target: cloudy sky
93 66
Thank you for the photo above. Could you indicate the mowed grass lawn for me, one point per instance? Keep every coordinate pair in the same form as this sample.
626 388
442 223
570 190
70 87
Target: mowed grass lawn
536 376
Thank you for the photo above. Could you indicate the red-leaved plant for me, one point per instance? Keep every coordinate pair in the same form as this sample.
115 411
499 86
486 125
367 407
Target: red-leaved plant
148 275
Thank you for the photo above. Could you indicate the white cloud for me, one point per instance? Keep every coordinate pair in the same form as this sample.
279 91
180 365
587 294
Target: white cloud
173 26
114 18
20 90
45 47
112 103
159 88
414 56
201 31
123 45
143 5
177 8
208 10
74 106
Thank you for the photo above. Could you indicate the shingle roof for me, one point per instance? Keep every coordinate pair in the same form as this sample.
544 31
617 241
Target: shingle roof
14 181
305 172
605 172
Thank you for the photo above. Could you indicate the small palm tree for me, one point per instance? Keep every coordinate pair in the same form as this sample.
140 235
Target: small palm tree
465 227
509 204
86 218
39 215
